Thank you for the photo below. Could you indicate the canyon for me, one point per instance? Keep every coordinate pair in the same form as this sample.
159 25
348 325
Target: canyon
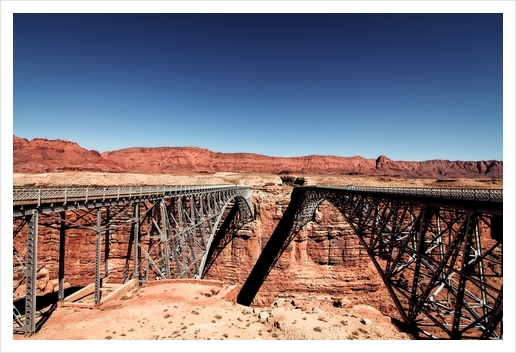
324 266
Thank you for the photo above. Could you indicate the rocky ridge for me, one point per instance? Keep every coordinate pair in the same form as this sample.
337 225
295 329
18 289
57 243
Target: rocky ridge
50 156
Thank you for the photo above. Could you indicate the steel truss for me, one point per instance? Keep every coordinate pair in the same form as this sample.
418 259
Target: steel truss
170 232
442 265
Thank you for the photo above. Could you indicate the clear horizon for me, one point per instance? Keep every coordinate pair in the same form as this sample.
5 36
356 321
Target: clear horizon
408 86
268 155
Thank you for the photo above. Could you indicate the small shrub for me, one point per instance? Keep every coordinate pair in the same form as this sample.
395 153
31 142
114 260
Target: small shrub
225 335
108 337
317 329
218 317
166 316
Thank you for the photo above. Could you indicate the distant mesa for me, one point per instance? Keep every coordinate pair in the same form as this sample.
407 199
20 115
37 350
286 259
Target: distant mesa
52 156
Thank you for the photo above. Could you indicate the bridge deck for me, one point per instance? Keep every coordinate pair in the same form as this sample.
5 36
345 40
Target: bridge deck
480 200
31 197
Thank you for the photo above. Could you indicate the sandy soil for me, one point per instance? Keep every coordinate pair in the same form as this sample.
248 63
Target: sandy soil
254 179
196 311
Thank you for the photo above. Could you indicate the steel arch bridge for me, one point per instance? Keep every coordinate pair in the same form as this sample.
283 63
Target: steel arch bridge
438 251
170 229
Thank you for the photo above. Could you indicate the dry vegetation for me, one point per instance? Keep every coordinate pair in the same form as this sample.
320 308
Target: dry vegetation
182 310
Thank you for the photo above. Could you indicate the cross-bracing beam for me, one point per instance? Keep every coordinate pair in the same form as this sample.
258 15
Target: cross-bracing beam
170 230
442 264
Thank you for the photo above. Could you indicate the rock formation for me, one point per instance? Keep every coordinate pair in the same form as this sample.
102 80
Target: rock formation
42 155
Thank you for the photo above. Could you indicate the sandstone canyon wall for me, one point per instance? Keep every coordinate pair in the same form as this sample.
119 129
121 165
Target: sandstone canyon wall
50 156
43 156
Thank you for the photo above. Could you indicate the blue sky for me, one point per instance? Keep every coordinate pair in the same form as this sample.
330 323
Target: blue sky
408 86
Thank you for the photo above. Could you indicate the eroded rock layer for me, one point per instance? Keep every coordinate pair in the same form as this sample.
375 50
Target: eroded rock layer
42 155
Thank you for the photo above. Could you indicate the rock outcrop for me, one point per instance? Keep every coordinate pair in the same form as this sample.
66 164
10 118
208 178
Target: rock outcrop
42 155
51 156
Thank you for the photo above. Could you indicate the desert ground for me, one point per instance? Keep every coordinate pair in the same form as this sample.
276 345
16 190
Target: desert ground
253 179
205 312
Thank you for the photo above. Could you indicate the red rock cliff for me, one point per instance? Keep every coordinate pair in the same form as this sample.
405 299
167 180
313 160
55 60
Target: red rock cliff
42 155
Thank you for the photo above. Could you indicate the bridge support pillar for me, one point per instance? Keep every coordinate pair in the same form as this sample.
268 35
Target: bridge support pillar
164 238
31 273
62 233
98 239
106 245
136 227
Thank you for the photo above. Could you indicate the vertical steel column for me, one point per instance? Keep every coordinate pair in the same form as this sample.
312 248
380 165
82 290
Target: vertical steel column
31 273
62 233
193 233
180 231
136 221
164 237
106 245
202 223
98 241
461 286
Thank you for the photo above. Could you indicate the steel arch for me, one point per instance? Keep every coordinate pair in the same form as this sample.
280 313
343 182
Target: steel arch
442 265
168 219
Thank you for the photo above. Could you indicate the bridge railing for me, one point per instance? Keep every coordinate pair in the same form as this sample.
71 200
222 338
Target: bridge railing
44 194
466 194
